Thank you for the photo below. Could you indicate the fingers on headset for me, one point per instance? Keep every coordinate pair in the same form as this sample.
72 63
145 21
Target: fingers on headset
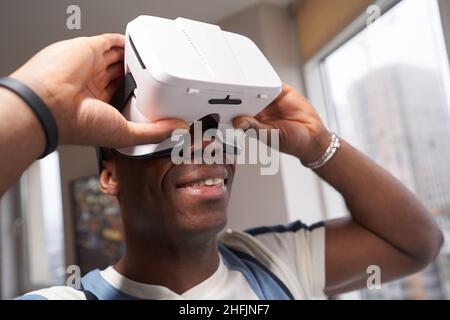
113 55
142 133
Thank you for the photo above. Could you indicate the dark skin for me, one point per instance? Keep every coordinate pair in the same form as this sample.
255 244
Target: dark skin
164 223
170 235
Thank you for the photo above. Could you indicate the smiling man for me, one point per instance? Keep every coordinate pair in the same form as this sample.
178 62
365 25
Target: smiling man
173 215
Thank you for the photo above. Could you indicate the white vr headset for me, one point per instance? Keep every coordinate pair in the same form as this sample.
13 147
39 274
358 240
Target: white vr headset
193 71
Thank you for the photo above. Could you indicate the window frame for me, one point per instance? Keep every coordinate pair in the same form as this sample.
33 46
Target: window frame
31 179
315 86
317 91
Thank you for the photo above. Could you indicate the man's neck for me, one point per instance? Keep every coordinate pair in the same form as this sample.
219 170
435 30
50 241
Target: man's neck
178 267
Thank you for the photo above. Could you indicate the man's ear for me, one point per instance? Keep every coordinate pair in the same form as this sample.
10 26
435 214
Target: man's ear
108 179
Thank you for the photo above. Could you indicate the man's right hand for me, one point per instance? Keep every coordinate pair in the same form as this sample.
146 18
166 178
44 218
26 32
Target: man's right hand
76 78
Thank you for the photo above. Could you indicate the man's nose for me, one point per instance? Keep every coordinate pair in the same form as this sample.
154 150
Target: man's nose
200 145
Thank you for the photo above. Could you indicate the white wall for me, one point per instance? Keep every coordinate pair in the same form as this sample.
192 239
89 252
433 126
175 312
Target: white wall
75 162
294 192
256 199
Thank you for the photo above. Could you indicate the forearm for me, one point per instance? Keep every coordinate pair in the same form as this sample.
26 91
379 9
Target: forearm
22 139
388 227
381 204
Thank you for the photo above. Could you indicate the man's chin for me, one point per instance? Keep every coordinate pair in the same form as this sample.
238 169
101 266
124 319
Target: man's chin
210 223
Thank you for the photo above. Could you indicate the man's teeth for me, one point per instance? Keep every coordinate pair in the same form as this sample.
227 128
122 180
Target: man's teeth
214 182
209 182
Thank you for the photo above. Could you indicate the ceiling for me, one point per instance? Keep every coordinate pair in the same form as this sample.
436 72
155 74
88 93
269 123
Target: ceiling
38 23
203 10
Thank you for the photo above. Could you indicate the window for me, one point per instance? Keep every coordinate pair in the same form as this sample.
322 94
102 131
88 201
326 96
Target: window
43 224
386 90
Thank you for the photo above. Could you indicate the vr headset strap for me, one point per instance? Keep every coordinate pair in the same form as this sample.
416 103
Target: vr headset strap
124 93
119 101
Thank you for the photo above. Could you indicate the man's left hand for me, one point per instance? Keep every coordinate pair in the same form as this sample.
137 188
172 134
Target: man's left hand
302 133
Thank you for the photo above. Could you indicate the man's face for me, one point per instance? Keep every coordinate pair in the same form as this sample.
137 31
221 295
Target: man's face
160 199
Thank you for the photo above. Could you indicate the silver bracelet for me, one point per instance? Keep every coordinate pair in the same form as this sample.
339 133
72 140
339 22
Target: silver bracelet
334 146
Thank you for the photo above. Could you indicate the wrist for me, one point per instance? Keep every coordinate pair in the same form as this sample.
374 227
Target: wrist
44 89
330 152
30 94
22 126
317 146
39 86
